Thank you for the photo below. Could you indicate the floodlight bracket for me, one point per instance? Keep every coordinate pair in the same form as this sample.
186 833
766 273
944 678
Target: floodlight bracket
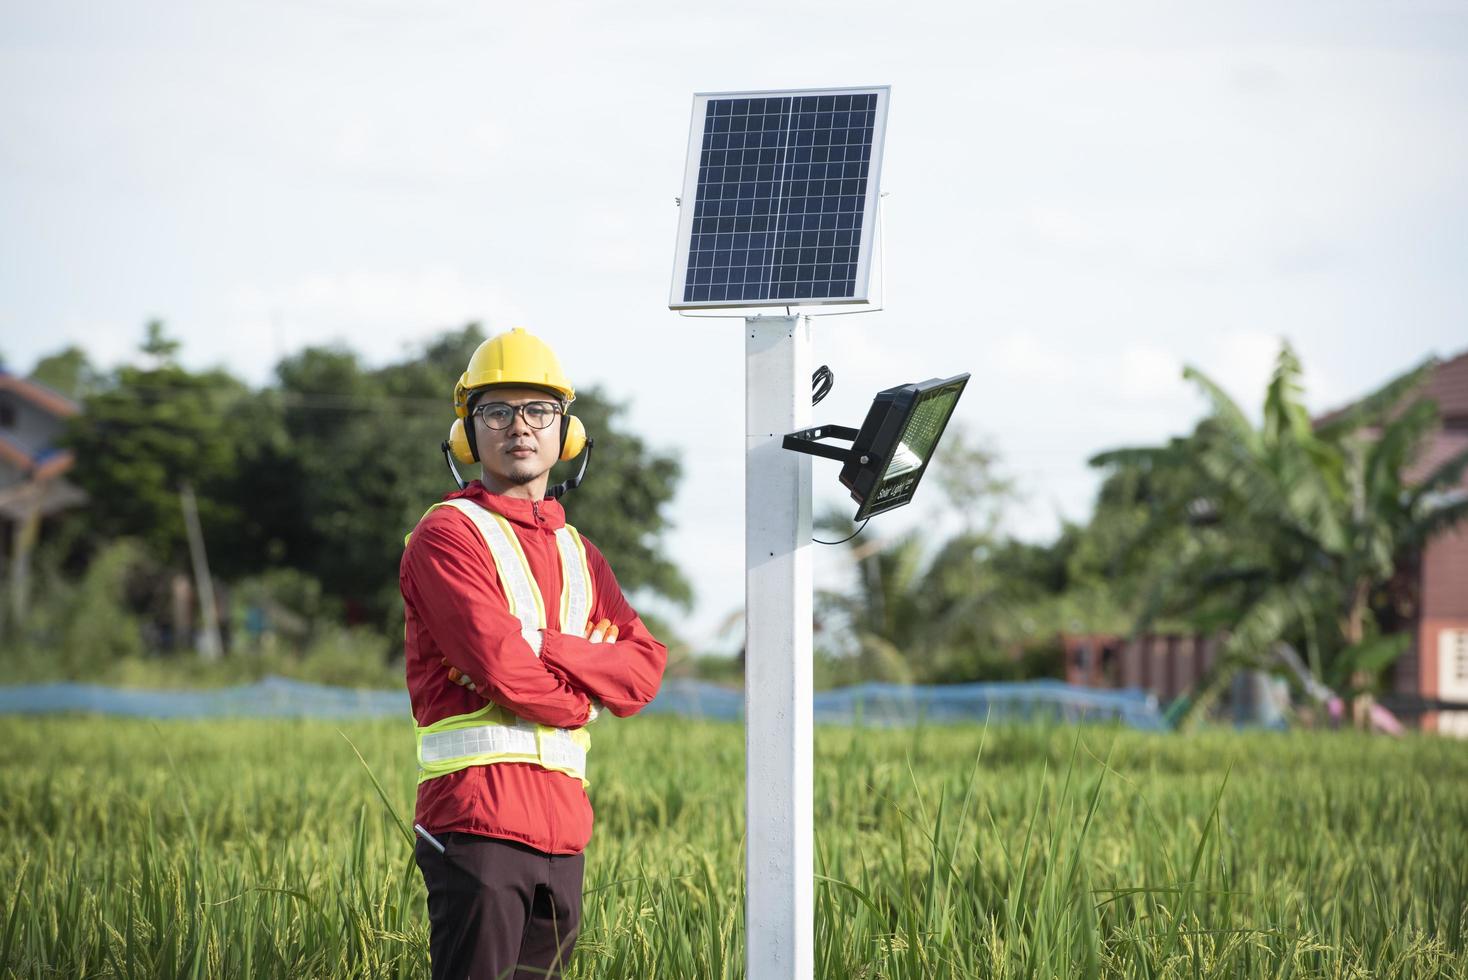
808 441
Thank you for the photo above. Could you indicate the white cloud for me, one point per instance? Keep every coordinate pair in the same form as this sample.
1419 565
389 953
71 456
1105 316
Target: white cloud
1149 375
1241 362
379 313
1083 200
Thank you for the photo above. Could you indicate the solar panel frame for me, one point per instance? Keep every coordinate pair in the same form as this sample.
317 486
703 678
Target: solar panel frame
775 295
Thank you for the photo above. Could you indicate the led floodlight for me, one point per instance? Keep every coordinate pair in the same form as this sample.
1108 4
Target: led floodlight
890 452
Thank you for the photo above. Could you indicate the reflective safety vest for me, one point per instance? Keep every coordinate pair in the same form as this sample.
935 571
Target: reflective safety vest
494 734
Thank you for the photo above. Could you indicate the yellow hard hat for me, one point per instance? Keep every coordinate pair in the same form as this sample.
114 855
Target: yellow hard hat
515 358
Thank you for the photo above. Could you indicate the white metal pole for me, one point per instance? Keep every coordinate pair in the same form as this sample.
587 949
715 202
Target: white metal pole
779 908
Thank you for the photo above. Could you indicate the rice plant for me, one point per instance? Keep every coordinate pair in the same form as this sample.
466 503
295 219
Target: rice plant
271 849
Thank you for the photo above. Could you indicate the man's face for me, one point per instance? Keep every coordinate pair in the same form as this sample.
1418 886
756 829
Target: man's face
519 453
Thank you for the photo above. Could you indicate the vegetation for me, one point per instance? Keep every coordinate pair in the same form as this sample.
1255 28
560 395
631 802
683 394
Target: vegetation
975 605
1284 532
305 488
1281 531
262 848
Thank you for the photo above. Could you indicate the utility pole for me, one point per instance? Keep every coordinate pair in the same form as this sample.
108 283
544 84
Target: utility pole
210 646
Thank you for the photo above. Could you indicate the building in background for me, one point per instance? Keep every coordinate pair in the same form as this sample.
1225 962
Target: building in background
1433 673
1166 667
1429 682
32 474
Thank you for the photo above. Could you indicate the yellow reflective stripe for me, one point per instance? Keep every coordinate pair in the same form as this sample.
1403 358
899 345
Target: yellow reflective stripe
409 536
477 741
514 541
560 749
503 549
576 589
565 588
585 568
571 551
492 735
457 721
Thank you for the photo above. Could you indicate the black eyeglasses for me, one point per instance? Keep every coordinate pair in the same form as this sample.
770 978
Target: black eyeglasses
499 415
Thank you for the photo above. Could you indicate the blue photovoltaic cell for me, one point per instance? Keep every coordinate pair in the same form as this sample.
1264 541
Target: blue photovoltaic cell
782 184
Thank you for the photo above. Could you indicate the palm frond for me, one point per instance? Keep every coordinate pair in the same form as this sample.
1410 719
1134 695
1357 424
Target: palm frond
1370 656
1272 493
1138 457
1226 411
1285 416
1399 443
1251 642
1437 520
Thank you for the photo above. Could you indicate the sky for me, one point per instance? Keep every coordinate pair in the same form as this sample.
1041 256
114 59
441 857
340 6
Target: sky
1080 200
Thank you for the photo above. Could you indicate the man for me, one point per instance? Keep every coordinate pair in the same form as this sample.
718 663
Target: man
500 595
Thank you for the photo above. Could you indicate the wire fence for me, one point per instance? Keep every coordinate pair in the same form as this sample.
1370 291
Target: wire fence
866 704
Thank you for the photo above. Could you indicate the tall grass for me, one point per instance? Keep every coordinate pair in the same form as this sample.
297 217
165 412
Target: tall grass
251 848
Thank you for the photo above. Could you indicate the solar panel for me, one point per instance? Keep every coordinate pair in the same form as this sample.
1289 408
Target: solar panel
779 197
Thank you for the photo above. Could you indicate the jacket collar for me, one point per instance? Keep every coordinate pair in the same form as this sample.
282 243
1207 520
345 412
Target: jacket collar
516 510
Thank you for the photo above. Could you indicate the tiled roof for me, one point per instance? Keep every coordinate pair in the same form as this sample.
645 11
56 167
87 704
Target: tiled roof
15 453
1446 384
53 463
39 395
1443 447
41 465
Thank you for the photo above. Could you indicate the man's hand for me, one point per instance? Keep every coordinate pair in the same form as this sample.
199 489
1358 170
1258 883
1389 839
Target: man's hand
459 677
602 632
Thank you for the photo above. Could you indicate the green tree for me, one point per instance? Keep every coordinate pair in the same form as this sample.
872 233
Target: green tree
325 470
621 505
935 612
1289 531
69 372
367 452
143 433
363 455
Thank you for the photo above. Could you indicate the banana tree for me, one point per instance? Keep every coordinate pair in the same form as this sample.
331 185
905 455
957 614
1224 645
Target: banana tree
1293 528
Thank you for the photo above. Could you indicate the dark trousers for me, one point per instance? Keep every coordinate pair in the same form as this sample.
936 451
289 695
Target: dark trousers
499 910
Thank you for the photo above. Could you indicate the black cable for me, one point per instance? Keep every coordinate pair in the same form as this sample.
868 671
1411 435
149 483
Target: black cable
848 537
821 383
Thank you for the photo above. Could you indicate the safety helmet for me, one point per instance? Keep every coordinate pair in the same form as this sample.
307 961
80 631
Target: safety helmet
515 358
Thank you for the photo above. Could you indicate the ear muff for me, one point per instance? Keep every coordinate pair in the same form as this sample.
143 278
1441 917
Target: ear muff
573 437
462 394
461 441
459 444
464 400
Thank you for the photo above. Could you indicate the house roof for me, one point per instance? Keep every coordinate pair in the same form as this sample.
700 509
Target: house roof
39 465
15 453
52 463
1446 384
44 398
1443 447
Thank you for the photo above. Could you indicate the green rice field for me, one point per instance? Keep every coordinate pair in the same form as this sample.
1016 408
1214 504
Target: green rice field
263 848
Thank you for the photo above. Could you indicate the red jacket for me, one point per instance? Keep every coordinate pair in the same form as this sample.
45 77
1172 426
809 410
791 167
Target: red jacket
456 610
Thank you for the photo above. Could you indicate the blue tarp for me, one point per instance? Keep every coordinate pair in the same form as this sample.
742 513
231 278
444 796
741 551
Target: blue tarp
870 704
274 697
